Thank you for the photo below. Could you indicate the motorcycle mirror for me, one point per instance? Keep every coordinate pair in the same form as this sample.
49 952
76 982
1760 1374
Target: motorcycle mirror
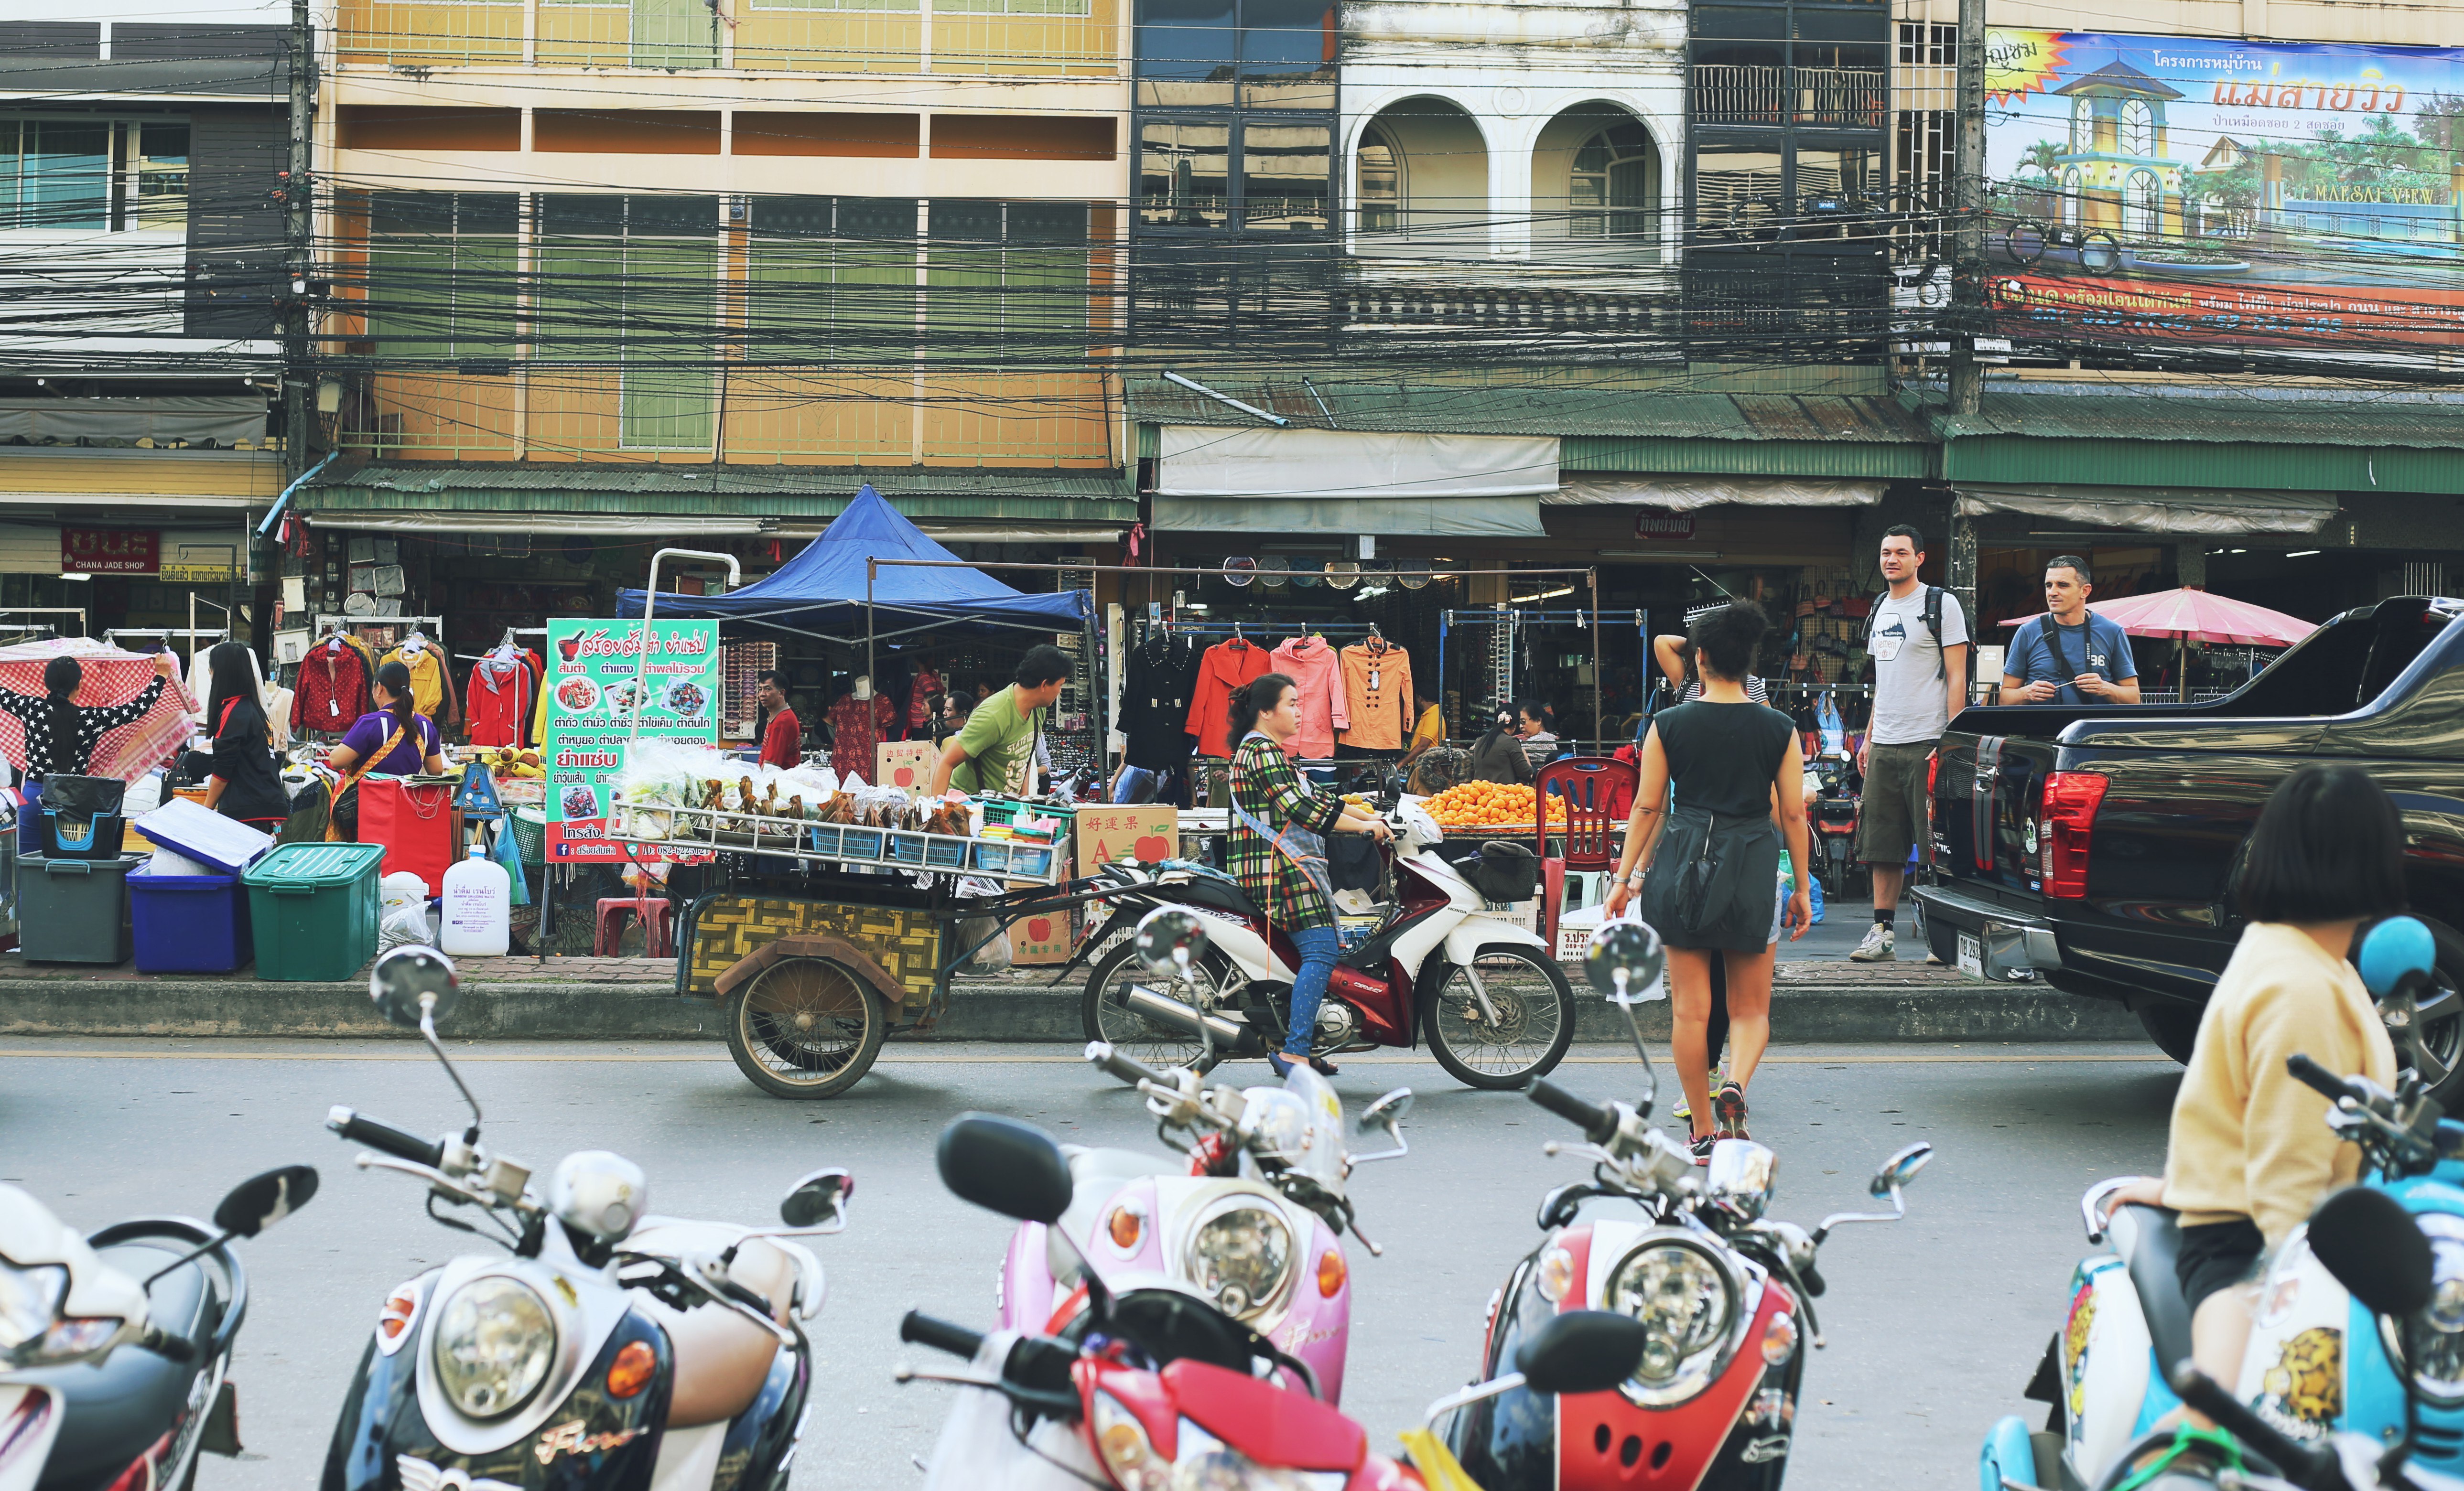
1625 959
1900 1168
1743 1173
1005 1166
1582 1351
1387 1111
2392 951
1168 941
260 1201
411 984
817 1197
2374 1248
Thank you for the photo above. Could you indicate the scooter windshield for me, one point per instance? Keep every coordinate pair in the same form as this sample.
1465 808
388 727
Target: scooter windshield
1299 1126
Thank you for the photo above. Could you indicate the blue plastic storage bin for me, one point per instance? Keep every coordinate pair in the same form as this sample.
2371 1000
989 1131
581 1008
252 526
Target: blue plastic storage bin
189 924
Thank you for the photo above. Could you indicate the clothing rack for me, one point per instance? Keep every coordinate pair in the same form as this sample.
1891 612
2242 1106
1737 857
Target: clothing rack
77 611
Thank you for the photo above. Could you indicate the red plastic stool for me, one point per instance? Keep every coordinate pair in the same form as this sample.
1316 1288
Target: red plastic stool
658 926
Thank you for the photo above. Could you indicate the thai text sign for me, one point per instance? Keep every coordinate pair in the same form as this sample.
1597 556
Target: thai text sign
108 551
600 696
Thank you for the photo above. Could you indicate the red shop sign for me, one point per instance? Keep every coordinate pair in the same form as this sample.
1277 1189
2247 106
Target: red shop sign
109 551
1651 524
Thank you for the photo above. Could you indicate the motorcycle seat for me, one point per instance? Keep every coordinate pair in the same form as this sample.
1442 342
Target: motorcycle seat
1225 896
2150 1240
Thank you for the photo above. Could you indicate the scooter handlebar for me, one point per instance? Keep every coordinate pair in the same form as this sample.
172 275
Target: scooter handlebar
1130 1071
1598 1121
2315 1469
2319 1079
360 1128
940 1335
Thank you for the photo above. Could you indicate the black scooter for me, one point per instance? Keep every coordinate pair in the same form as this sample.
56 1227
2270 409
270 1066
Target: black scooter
612 1348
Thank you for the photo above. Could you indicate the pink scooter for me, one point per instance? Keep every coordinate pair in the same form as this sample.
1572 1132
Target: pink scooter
1254 1222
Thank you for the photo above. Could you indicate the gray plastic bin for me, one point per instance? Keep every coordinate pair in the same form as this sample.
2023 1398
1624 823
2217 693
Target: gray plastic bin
74 910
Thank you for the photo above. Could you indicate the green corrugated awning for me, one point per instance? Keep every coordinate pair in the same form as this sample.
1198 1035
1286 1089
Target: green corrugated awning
2174 439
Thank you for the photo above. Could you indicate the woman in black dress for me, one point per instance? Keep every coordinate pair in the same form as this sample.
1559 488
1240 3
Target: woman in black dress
244 784
1707 866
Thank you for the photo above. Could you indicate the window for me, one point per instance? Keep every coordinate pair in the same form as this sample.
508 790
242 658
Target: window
1737 193
1380 194
1922 158
634 280
1613 184
830 278
1006 281
1184 174
1011 6
1284 172
1923 45
2071 197
1287 50
82 174
2138 128
442 268
2083 128
1188 53
1845 176
1249 141
2141 199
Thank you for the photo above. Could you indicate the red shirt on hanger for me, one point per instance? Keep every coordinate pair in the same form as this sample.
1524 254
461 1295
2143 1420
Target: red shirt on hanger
1225 666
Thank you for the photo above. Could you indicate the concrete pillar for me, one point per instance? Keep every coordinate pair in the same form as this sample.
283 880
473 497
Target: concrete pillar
2191 563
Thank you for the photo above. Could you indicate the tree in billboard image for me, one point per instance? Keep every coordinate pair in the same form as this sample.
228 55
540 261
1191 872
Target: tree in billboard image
2248 194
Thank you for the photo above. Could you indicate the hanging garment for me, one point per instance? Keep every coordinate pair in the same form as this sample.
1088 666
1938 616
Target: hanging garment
132 719
432 691
920 701
856 727
1225 666
1155 702
333 687
1318 675
1378 693
500 694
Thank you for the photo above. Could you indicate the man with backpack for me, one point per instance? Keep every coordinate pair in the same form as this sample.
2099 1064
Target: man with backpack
1918 637
2069 655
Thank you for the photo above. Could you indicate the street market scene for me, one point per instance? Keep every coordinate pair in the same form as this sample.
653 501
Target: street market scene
1232 745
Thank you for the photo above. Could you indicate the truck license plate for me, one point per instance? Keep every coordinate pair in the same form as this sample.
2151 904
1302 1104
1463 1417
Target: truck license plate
1972 955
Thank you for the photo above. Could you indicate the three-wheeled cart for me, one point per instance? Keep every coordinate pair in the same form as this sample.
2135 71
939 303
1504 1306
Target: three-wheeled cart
817 940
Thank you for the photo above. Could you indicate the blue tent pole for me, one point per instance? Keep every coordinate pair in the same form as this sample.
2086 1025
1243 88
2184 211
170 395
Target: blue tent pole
1444 617
871 569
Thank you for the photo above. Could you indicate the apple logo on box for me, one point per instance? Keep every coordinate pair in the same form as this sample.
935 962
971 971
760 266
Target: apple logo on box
1039 929
1153 850
904 775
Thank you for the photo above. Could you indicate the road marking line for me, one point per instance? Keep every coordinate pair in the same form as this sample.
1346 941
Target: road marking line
1072 1060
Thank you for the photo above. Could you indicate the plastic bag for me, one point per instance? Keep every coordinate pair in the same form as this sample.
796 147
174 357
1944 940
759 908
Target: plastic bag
404 926
504 852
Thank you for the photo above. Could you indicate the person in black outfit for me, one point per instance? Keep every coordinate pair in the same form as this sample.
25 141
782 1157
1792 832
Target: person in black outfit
1707 866
244 784
60 734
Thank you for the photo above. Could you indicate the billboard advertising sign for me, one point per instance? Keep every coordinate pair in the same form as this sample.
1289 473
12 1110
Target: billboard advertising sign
2166 189
595 688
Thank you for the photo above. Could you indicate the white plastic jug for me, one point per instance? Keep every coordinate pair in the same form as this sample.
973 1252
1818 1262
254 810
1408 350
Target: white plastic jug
478 908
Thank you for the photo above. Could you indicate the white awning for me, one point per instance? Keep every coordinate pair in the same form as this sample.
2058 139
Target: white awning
648 526
1687 494
2153 511
1204 461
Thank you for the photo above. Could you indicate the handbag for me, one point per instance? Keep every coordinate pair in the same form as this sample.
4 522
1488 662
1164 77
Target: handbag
350 779
413 822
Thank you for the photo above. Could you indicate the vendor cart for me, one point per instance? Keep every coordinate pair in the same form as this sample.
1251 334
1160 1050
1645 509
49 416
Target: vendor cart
817 940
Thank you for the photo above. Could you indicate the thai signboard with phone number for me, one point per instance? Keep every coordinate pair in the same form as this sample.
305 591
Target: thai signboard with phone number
594 698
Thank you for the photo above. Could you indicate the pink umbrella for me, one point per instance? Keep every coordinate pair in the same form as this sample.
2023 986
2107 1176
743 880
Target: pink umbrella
2193 615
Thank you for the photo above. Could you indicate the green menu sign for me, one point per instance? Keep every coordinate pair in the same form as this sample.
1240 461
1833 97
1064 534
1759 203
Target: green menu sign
600 696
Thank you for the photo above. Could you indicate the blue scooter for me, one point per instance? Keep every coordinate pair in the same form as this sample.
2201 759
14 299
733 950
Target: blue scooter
2319 1360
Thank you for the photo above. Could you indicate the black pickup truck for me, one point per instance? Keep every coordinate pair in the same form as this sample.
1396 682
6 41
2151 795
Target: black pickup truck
2098 847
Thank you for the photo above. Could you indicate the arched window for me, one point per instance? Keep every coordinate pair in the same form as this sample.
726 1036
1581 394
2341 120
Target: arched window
2071 185
2082 126
2138 128
1613 188
2140 195
1381 190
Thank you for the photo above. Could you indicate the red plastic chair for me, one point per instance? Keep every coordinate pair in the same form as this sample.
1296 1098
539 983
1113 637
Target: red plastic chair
1598 792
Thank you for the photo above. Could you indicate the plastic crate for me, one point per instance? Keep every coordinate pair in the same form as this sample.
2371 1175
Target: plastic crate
189 924
313 910
72 911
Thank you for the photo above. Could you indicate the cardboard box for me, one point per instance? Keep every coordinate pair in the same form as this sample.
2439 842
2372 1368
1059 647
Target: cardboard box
905 763
1105 834
1043 939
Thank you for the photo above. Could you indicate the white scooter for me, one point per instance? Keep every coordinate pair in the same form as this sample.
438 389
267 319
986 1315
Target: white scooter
1441 963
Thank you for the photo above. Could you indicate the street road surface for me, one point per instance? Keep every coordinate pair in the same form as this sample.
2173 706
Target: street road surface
1935 1323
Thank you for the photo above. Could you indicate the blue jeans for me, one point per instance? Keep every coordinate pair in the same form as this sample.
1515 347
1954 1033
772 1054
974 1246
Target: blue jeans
1317 947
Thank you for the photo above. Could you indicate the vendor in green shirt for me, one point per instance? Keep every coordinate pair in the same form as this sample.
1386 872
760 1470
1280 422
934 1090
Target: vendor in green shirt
995 750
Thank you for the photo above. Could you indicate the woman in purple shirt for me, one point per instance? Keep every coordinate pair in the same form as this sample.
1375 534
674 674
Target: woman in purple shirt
419 747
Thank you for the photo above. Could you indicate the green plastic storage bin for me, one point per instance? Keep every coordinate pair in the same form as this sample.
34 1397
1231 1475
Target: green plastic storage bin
74 910
314 911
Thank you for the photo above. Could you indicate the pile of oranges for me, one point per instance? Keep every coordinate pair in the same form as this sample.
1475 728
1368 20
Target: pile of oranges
1486 804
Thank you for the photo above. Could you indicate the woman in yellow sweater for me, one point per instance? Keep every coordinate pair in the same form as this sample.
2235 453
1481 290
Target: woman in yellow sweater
2249 1152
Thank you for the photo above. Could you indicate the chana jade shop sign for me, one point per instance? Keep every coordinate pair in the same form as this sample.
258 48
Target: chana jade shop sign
2288 195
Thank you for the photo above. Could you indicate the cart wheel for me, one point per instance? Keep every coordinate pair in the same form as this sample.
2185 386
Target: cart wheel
805 1028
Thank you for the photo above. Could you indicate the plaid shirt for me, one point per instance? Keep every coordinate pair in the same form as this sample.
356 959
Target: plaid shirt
1266 787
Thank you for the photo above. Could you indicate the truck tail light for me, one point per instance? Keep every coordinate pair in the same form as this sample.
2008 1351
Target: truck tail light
1933 771
2071 801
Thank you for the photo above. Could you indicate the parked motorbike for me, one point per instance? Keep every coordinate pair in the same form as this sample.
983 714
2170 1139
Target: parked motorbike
613 1348
1831 814
115 1350
2312 1368
1485 993
1255 1223
1720 1289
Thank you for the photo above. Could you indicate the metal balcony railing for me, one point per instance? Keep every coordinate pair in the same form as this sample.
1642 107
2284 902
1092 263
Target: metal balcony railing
1727 92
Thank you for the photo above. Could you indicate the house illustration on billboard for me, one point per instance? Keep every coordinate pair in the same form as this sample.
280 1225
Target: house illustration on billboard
2116 175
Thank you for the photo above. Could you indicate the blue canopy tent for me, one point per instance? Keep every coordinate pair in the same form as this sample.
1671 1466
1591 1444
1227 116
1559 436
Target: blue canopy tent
820 592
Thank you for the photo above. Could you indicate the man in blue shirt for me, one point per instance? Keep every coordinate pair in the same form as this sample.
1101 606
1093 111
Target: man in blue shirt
2071 655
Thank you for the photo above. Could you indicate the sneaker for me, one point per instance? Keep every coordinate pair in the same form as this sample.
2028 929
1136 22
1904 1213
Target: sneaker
1876 948
1729 1111
1685 1108
1702 1148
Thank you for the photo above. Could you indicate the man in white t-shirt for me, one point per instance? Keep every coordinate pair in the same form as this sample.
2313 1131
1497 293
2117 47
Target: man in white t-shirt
1917 636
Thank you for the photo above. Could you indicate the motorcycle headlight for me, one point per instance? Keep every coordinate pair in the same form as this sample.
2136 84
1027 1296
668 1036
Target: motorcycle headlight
496 1340
1127 1452
1207 1464
1687 1302
1243 1256
29 1300
2433 1340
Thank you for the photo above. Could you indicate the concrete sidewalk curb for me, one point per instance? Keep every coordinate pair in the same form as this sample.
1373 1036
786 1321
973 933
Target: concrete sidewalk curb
505 1011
